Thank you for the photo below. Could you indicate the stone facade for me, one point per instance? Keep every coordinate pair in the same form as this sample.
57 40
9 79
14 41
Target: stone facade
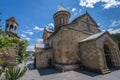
78 43
43 56
10 31
9 58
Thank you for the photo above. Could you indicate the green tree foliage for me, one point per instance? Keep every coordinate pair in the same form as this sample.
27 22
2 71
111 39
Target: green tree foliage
117 37
22 49
6 42
13 73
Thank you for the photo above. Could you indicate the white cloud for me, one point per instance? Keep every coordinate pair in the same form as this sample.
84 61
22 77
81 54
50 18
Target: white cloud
114 31
23 35
27 38
115 23
36 28
31 48
28 32
98 24
73 9
50 25
106 3
39 41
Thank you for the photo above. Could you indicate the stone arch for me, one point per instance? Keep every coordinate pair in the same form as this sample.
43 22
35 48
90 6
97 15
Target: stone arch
15 27
108 54
11 27
113 56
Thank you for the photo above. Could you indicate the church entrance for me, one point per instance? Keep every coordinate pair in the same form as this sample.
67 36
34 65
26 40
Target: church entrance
108 56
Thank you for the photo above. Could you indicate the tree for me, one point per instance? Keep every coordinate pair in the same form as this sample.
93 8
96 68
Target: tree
117 37
13 72
22 50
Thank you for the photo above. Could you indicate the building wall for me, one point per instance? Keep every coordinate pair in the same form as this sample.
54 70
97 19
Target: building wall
93 57
45 36
9 57
42 57
65 41
89 55
55 42
85 23
114 50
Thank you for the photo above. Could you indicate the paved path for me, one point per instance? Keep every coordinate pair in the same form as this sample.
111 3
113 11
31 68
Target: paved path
31 75
73 75
52 74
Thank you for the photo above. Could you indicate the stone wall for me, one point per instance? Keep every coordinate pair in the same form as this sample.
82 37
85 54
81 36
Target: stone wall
114 50
10 55
89 55
42 57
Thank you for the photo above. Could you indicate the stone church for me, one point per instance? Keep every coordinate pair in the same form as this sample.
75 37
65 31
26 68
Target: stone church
77 44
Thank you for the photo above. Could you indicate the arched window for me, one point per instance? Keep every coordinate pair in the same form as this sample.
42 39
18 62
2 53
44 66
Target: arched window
11 26
15 27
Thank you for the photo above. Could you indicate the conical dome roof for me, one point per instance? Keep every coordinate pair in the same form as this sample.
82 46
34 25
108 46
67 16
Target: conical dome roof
61 8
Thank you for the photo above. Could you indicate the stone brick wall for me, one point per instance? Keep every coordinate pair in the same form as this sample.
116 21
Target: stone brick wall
89 55
114 50
9 57
85 23
42 56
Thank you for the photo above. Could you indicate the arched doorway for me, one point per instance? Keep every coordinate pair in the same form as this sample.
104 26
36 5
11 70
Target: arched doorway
107 53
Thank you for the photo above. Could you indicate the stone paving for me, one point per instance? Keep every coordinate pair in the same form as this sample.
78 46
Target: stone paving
82 75
31 75
53 74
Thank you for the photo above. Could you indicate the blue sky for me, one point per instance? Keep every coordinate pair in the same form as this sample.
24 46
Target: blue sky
34 15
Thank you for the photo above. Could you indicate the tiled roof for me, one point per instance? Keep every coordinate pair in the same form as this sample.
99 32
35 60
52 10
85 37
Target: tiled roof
12 19
49 30
94 36
61 8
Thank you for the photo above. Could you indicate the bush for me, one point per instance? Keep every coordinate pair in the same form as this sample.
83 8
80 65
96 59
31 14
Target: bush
14 73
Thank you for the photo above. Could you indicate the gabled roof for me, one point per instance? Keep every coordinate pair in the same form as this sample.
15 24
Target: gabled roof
98 35
47 30
94 36
83 16
73 22
12 19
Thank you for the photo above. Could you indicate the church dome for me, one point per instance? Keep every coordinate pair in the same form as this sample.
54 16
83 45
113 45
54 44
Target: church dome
61 17
61 8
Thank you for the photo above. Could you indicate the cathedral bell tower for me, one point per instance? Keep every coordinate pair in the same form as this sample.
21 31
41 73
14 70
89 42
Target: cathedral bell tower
11 25
61 17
